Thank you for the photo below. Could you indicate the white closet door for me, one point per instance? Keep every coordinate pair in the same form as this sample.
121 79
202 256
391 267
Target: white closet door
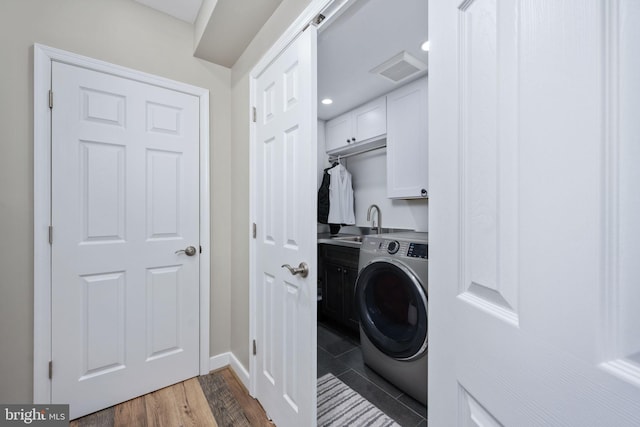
125 198
533 210
285 150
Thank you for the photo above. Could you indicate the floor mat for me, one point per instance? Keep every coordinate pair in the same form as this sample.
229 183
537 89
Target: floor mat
339 406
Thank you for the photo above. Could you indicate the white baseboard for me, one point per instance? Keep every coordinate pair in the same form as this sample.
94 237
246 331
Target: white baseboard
229 359
240 371
219 361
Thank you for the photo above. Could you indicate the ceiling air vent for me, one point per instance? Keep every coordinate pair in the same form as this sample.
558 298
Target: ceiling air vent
400 67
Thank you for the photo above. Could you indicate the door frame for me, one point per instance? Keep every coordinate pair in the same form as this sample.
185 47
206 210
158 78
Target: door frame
43 58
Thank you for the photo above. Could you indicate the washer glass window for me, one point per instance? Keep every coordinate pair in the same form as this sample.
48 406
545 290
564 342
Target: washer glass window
393 309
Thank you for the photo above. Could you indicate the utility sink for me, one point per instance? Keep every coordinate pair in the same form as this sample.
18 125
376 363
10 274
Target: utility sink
348 238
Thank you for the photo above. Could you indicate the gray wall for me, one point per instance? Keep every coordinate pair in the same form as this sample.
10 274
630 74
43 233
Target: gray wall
125 33
286 13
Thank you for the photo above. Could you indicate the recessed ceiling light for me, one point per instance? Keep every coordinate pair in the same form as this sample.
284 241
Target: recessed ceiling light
327 101
425 46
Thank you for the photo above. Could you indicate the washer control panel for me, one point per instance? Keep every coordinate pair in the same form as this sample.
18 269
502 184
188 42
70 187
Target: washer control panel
397 248
418 250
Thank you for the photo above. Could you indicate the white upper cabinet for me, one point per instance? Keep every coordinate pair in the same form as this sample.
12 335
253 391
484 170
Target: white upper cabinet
338 132
357 127
407 142
370 121
397 120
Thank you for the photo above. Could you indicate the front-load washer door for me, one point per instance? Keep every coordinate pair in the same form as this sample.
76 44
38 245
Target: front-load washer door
392 305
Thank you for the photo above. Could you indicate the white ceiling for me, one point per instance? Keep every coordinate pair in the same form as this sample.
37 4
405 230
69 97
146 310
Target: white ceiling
185 10
231 27
366 35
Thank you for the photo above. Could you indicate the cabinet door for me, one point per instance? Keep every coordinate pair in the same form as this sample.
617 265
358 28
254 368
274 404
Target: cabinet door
338 132
407 141
370 120
332 300
351 319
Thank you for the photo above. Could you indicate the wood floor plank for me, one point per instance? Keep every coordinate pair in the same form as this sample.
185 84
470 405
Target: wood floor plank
226 409
102 418
215 400
131 413
252 409
193 405
161 408
195 394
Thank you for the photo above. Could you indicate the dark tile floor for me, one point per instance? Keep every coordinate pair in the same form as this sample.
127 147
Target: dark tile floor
340 355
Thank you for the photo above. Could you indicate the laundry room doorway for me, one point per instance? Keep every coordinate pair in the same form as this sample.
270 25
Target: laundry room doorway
361 102
286 160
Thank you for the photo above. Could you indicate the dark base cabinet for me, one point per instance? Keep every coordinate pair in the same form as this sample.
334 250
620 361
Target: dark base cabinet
338 268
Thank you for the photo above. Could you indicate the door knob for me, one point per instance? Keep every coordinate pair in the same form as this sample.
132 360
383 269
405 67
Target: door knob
302 269
189 251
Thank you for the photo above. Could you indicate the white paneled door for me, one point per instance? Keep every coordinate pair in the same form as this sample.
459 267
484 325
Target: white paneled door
284 157
125 201
534 207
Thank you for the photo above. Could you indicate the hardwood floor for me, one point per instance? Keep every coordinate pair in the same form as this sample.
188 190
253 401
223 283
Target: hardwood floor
218 400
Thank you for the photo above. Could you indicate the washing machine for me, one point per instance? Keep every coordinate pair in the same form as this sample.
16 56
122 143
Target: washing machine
391 296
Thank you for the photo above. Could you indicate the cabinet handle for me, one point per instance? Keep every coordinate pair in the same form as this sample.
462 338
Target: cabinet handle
339 269
353 140
344 271
348 141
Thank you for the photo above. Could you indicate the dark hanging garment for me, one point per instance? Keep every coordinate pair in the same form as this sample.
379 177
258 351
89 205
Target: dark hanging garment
323 198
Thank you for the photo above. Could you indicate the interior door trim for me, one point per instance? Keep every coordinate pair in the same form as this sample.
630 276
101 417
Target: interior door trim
43 57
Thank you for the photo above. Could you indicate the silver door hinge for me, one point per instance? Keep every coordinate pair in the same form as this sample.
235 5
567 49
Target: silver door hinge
50 369
51 235
254 114
50 99
255 230
255 348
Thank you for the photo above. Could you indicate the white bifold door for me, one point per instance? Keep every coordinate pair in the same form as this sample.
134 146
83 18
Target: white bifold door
284 157
534 213
125 252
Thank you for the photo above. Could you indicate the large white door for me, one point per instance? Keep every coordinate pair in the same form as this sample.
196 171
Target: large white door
125 199
534 213
284 183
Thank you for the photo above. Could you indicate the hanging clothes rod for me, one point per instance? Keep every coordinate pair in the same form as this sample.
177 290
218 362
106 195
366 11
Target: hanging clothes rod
335 157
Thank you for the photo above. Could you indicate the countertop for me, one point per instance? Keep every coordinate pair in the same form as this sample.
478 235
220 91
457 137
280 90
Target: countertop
351 240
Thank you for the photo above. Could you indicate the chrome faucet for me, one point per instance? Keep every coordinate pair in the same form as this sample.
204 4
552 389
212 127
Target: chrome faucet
373 224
